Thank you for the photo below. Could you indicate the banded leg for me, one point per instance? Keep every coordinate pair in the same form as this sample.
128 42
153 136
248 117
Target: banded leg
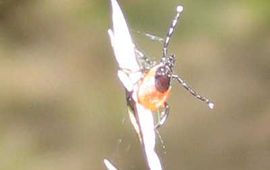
150 36
192 92
164 116
144 61
171 30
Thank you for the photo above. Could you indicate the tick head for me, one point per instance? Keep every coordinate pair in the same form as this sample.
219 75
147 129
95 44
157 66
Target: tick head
168 61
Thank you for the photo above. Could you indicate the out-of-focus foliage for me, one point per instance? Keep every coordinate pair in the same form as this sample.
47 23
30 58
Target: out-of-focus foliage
63 108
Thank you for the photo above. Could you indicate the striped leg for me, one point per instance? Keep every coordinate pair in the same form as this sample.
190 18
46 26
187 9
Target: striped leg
179 9
164 116
194 93
144 61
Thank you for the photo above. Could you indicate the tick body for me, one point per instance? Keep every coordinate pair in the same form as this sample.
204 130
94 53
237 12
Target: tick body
154 88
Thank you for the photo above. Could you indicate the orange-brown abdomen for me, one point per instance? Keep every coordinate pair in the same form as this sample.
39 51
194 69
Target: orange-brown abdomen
148 94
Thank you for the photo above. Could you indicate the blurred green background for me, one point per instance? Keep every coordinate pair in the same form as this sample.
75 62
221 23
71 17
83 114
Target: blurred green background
62 106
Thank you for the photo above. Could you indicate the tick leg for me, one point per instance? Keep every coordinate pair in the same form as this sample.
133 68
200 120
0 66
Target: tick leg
144 61
193 92
171 30
164 116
